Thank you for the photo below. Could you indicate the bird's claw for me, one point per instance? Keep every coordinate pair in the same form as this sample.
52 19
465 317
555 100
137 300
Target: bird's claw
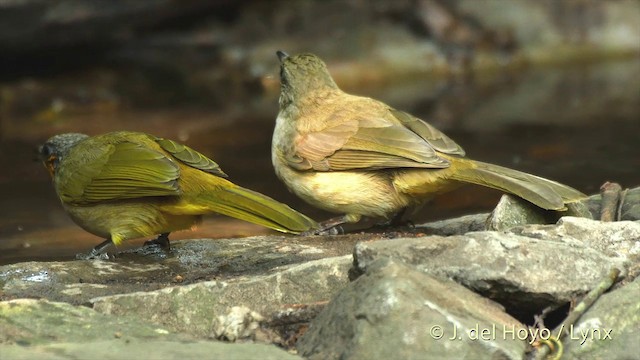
333 230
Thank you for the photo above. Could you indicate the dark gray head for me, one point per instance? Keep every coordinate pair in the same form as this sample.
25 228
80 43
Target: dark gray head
57 147
301 74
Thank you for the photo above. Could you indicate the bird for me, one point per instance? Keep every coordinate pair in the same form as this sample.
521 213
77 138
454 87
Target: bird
359 157
124 185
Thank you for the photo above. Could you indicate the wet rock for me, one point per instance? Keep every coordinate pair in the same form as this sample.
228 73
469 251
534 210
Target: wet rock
613 322
148 269
197 308
394 311
526 271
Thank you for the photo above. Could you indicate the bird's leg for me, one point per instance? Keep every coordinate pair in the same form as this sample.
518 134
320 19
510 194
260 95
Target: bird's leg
162 240
332 226
98 252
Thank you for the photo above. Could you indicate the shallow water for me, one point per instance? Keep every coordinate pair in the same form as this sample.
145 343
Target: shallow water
577 125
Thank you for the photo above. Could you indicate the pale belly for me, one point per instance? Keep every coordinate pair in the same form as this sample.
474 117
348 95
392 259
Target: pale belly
362 193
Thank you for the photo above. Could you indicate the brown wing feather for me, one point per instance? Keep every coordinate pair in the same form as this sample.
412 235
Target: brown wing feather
436 138
370 141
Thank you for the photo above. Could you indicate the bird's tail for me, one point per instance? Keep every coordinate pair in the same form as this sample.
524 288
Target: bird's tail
251 206
542 192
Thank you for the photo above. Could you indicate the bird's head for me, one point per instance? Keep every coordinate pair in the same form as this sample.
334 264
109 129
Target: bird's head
301 74
57 148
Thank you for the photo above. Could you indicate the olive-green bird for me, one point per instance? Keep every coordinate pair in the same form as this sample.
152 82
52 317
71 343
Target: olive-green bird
360 157
126 185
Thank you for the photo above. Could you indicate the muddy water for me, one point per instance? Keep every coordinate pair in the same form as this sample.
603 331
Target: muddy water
577 125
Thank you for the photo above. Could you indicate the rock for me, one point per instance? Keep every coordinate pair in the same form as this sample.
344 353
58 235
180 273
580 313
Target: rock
40 329
611 326
116 349
394 311
619 239
512 211
41 322
631 205
630 209
240 323
189 261
578 209
456 226
526 273
196 309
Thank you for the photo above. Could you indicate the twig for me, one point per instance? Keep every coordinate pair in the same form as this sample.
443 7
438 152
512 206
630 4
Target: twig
538 320
623 197
578 311
610 199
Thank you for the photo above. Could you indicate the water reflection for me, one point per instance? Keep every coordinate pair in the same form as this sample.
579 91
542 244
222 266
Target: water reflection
577 125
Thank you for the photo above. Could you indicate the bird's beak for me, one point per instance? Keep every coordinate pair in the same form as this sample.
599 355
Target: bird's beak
282 55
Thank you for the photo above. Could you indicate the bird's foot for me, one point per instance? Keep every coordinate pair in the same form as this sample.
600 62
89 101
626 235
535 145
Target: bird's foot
396 224
97 253
162 241
332 226
333 230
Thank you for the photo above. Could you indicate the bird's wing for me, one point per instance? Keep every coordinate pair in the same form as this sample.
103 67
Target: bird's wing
369 142
436 138
190 157
120 171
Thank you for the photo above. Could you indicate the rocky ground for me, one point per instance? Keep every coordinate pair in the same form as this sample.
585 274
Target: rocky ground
451 287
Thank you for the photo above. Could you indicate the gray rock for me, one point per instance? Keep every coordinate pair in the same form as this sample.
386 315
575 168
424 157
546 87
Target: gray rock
189 261
609 329
196 309
513 211
40 329
240 323
145 349
457 226
525 273
41 322
630 209
394 311
631 205
615 239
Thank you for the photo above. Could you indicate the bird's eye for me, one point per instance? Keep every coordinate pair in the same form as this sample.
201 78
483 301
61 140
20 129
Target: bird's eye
284 77
45 151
